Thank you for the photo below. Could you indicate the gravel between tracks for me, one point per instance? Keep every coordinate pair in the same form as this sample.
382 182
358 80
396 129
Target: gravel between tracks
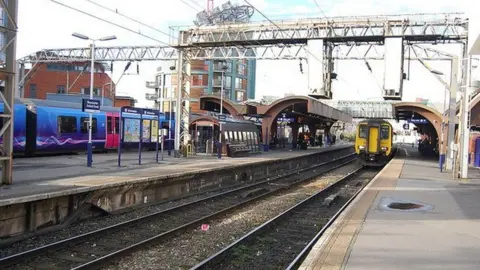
95 224
190 248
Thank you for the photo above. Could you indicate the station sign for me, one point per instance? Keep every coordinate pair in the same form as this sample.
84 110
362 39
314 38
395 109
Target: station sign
418 121
131 112
222 118
150 114
90 105
287 120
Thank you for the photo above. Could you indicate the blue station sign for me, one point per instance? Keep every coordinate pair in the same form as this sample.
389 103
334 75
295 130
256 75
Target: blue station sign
131 112
91 105
418 121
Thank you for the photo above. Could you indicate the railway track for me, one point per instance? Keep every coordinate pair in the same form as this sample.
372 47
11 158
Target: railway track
284 241
93 249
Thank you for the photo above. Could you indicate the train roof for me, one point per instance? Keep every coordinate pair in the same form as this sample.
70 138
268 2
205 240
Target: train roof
61 104
375 120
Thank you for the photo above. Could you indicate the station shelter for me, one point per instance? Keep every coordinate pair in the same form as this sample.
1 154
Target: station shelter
283 122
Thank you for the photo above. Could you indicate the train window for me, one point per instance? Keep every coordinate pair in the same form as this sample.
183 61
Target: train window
362 131
84 124
67 124
109 125
384 133
245 139
225 133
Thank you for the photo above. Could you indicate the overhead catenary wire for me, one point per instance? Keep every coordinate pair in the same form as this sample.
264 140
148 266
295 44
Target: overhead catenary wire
112 23
135 20
198 5
283 34
318 6
186 3
129 18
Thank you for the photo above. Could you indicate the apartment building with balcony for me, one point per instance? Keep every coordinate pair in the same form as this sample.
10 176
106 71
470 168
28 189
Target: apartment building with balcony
206 79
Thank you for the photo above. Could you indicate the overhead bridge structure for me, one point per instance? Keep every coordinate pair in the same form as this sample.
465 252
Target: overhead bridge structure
364 109
361 38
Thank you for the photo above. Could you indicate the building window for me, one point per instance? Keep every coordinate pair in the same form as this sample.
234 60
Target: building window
67 124
240 96
228 81
84 124
239 83
199 80
33 91
86 91
241 69
61 89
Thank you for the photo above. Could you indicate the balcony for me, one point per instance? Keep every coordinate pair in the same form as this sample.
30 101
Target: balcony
218 67
226 93
218 83
151 85
150 97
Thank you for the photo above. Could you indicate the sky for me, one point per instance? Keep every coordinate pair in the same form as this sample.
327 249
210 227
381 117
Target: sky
46 24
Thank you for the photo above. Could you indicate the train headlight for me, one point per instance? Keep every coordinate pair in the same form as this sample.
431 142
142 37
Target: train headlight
361 147
384 149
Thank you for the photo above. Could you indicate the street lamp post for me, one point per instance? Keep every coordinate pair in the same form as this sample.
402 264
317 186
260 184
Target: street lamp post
224 68
92 67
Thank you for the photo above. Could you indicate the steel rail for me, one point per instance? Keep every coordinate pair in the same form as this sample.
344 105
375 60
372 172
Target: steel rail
270 224
19 257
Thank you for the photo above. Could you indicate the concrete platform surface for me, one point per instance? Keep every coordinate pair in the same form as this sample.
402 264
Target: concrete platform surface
66 174
444 233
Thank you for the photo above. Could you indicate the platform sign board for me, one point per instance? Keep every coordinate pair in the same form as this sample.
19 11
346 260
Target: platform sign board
418 121
222 118
91 105
406 126
132 128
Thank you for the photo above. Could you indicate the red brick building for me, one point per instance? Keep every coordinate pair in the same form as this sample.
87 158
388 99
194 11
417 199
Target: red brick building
66 81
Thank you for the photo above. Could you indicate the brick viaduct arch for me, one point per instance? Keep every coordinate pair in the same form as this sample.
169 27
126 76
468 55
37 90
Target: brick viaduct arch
272 111
233 109
475 111
433 116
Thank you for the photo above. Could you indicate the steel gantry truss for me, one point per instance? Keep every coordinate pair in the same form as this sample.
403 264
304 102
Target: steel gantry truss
267 52
7 76
358 38
364 109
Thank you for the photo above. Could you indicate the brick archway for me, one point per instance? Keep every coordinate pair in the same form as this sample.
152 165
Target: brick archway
272 111
235 110
433 116
475 111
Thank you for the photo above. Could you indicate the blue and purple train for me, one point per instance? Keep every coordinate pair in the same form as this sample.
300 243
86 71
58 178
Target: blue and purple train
45 126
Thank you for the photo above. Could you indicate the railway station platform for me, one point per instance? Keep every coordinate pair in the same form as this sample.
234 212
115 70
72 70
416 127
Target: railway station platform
44 177
411 216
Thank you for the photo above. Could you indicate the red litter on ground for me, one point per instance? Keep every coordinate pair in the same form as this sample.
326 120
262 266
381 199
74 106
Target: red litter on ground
205 227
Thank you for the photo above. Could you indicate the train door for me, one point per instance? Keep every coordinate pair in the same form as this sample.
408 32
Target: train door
113 130
31 134
373 139
116 130
110 127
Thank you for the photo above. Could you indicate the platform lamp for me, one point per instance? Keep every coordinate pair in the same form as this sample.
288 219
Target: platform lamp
172 68
224 68
92 69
